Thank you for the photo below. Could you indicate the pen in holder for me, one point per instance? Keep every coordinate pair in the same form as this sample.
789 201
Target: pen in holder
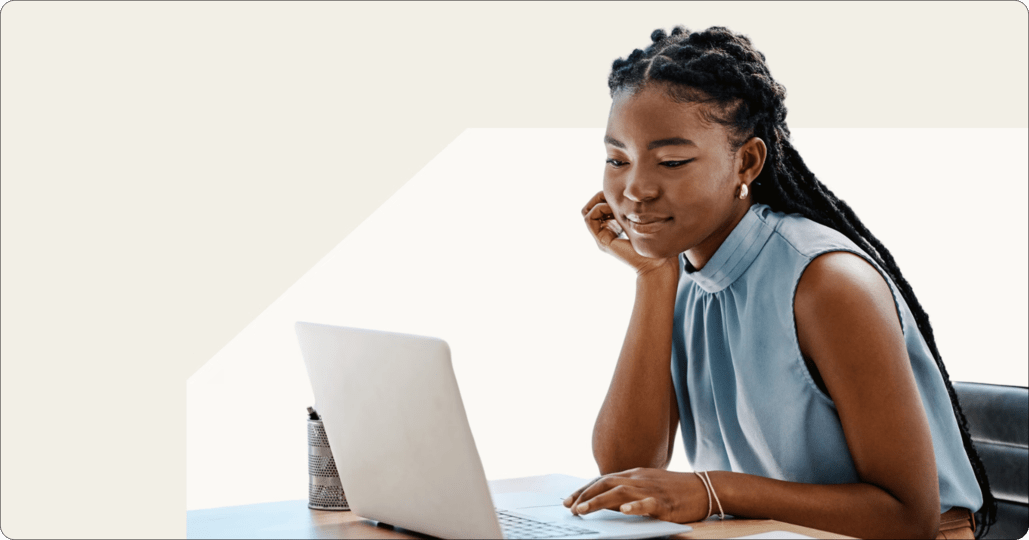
324 490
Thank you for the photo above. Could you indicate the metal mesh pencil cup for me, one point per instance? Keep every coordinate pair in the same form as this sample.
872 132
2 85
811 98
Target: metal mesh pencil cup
324 490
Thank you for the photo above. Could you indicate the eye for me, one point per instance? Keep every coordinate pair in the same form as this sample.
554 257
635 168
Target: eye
674 164
615 163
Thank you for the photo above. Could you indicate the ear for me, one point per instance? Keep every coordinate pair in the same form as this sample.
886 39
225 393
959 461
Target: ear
751 159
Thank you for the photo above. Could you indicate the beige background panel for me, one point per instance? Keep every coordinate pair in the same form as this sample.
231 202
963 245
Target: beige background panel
170 168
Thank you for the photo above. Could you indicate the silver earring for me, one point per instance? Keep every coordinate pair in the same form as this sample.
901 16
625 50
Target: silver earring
743 191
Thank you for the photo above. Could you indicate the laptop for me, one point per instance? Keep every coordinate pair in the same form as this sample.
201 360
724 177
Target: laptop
405 454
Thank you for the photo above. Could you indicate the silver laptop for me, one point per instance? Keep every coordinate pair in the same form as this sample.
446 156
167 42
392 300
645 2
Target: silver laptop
405 454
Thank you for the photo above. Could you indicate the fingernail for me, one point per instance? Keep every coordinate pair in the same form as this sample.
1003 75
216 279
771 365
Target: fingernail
582 507
626 507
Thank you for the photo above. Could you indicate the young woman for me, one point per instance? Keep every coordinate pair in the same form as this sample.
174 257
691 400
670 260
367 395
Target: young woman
804 373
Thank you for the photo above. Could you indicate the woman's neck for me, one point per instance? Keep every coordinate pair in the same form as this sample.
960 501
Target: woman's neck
699 255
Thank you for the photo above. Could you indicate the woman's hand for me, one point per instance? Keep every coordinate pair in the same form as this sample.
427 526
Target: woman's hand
601 222
668 496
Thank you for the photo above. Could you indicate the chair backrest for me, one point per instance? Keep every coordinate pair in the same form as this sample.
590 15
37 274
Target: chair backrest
998 420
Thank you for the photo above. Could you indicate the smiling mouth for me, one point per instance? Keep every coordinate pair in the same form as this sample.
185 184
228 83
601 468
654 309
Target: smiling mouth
646 224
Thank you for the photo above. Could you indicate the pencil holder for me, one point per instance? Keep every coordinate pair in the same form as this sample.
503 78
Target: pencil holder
324 491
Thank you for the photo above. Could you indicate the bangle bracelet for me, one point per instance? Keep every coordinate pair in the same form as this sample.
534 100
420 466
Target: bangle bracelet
708 490
711 486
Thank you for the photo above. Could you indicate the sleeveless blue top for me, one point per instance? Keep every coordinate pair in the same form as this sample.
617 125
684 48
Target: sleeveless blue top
747 402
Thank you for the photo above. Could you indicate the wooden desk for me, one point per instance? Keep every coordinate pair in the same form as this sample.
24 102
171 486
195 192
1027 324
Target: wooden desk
293 519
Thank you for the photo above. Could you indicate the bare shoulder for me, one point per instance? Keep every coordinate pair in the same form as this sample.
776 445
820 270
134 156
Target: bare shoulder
841 281
845 313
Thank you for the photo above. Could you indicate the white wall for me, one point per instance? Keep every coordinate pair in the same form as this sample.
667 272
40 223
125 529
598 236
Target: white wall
485 247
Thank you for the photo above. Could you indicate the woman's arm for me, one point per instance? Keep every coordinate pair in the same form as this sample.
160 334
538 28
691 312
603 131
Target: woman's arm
847 324
637 422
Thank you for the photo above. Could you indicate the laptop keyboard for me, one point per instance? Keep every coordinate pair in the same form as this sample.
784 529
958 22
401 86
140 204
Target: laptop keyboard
519 527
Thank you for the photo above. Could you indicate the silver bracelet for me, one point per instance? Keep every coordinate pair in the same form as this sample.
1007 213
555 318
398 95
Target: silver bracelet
708 490
711 486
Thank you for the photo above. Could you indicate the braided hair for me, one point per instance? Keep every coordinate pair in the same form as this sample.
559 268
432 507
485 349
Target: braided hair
725 72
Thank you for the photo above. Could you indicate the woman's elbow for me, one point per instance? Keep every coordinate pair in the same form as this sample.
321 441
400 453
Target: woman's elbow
612 460
924 527
920 522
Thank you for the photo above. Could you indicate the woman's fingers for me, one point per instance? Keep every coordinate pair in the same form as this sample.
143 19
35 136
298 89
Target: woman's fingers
617 483
575 496
613 226
598 198
606 231
646 507
666 495
611 499
599 215
585 493
601 221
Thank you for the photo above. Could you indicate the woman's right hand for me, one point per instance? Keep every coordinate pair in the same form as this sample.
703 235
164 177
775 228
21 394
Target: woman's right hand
606 231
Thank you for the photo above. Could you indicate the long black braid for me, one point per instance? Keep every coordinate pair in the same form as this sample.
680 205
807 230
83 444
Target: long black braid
723 70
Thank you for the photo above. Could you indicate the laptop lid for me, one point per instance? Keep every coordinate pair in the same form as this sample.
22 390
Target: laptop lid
393 415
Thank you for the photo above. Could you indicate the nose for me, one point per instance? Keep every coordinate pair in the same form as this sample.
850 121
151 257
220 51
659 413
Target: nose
639 188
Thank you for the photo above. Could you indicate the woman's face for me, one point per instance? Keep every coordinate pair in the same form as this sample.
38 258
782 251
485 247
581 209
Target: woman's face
671 178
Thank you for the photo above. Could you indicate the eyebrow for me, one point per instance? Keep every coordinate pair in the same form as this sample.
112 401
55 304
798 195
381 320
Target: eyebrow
671 141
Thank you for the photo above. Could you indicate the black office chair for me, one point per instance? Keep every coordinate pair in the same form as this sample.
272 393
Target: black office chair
998 420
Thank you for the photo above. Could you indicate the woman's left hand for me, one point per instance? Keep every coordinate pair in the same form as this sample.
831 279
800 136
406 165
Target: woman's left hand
668 496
